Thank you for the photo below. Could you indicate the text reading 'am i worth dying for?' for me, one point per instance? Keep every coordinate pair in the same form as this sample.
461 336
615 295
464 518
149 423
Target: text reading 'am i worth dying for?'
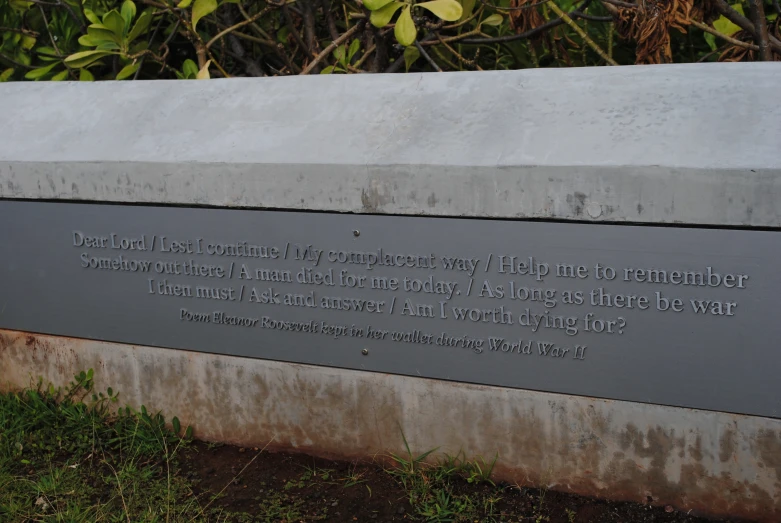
522 295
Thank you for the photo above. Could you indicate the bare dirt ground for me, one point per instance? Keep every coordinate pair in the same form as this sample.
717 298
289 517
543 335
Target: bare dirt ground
256 485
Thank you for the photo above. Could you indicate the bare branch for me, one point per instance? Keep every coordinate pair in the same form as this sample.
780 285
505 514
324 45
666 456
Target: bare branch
292 27
326 6
325 52
714 32
14 62
428 58
575 27
744 23
20 31
237 25
757 10
309 26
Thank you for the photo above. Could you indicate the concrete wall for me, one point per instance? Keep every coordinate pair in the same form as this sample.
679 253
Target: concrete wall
695 144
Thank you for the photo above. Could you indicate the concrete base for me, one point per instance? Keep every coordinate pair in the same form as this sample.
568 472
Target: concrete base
707 462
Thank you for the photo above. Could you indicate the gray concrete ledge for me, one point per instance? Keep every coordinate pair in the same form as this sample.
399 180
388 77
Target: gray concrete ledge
708 462
694 144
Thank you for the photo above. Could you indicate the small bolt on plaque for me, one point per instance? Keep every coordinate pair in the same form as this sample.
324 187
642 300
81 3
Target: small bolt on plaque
356 232
365 352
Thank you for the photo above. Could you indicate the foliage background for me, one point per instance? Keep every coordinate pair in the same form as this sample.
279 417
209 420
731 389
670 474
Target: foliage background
91 40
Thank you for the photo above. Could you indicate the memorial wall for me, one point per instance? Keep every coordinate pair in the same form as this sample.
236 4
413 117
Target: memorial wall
576 270
668 315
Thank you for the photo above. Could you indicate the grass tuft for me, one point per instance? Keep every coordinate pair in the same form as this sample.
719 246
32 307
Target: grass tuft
66 454
444 491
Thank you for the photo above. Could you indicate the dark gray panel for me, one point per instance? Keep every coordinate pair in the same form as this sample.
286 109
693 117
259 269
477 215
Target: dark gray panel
724 357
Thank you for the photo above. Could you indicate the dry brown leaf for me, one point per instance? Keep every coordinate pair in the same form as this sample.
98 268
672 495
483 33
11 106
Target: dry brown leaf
523 20
736 53
649 26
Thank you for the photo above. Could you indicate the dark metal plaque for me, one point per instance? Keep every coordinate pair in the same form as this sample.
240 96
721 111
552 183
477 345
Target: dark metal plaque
673 316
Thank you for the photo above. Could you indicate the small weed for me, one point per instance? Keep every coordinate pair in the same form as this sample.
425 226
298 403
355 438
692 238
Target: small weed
313 473
438 493
407 466
539 517
353 477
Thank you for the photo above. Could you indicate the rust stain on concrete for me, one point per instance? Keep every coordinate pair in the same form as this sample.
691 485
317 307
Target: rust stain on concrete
706 462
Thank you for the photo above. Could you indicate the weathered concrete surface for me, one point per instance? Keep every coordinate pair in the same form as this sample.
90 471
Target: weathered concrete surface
696 460
694 144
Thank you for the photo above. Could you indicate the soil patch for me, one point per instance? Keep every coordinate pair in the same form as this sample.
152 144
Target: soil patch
282 487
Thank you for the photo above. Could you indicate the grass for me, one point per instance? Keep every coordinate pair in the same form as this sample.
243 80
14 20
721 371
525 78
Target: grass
66 455
437 491
72 455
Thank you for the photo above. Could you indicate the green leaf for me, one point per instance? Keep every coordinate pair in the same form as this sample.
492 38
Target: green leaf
126 71
467 6
60 76
449 10
411 54
87 41
373 5
107 46
20 5
382 17
114 23
128 12
36 74
97 43
99 34
327 70
91 16
189 69
142 25
42 52
282 34
44 57
405 29
494 20
22 57
723 25
711 41
84 58
340 53
355 46
86 76
202 8
28 42
184 4
176 425
5 75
